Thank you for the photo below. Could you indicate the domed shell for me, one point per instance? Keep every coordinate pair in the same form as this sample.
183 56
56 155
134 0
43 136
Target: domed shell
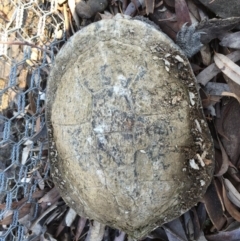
129 144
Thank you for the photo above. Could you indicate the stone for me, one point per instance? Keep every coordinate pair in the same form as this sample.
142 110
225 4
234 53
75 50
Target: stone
87 9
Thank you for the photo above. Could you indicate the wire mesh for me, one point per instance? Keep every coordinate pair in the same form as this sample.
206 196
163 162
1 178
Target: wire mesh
28 43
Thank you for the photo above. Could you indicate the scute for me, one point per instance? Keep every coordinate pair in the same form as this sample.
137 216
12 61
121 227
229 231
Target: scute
122 129
61 116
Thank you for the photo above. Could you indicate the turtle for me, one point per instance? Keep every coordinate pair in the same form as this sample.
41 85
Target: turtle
129 145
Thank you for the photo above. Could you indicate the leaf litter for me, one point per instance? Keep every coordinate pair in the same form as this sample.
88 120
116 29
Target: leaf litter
217 217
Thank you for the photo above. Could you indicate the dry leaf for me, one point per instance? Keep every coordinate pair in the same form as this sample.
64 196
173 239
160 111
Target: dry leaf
25 153
189 226
229 94
22 79
234 173
40 182
60 227
208 101
22 211
95 232
214 28
213 88
49 198
166 20
42 216
232 235
35 231
47 237
194 10
206 54
35 54
18 204
121 237
72 5
175 231
149 6
233 225
229 206
170 3
234 88
182 13
196 222
32 105
56 214
4 97
228 126
232 192
81 224
157 234
212 70
39 135
222 8
231 40
26 180
224 164
105 15
38 124
202 237
214 207
132 8
70 217
228 67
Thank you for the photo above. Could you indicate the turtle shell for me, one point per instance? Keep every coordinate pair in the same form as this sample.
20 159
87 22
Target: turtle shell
129 144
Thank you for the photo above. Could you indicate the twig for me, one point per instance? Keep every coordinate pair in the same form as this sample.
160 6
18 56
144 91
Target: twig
24 43
3 16
66 20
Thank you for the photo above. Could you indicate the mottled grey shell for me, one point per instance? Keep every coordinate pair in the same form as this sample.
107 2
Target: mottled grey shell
129 145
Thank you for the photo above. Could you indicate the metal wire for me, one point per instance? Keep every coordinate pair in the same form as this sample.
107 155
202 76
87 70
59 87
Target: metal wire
21 105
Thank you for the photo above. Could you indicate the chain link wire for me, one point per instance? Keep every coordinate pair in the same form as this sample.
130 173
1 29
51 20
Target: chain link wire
31 32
